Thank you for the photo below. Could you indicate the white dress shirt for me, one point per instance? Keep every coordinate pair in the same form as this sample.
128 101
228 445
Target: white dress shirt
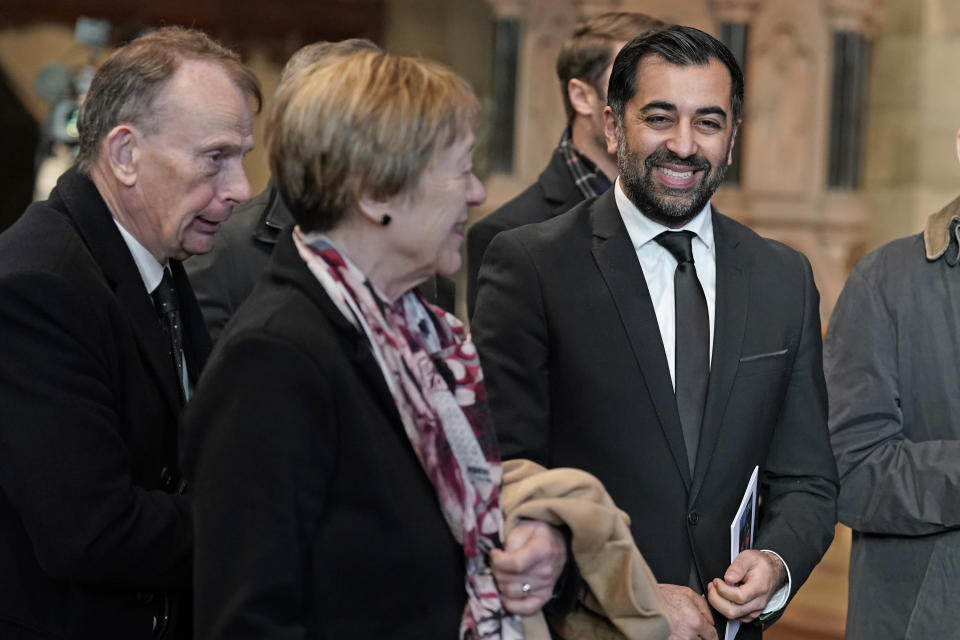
659 266
151 272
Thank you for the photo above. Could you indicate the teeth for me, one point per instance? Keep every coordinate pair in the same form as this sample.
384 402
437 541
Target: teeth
679 175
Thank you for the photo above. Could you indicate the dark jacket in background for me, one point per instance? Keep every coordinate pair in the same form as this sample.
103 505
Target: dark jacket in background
91 534
553 193
224 277
315 518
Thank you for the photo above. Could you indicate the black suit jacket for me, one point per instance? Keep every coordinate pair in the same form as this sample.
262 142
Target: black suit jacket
89 521
224 277
553 193
314 517
577 376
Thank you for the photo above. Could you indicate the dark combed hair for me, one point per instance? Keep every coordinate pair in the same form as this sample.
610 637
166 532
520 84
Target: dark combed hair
587 52
678 45
125 87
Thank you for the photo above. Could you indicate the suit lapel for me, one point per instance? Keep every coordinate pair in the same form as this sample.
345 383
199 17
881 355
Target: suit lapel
95 224
730 320
621 271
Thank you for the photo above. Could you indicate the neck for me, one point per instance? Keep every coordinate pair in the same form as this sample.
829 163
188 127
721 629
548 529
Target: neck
111 192
367 249
587 143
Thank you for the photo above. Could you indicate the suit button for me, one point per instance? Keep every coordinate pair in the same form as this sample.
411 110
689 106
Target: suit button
166 478
693 518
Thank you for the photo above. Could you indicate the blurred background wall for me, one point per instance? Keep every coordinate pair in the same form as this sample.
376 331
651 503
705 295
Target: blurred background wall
848 138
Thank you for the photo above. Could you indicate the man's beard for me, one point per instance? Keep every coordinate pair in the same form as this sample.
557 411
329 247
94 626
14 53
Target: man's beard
680 205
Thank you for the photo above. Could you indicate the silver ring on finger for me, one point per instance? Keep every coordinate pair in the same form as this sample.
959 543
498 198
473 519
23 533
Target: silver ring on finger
525 589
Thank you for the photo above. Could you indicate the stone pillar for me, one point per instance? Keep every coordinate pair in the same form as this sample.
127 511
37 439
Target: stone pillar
734 11
539 116
782 192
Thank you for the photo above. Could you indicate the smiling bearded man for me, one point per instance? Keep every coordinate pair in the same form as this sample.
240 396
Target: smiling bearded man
668 349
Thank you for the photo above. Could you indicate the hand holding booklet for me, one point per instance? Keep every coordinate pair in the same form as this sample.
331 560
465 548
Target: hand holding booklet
741 535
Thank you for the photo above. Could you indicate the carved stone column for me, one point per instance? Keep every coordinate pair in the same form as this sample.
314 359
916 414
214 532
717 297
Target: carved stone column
734 11
785 136
593 7
539 115
510 8
861 16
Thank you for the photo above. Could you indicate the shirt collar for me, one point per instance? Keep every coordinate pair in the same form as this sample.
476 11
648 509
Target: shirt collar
151 271
642 229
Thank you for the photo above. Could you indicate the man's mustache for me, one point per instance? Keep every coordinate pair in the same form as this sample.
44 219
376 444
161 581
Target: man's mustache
665 156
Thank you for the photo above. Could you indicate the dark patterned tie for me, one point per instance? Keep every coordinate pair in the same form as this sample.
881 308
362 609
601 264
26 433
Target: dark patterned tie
692 341
168 306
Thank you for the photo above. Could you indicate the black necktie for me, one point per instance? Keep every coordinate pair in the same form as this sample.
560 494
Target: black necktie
692 341
168 306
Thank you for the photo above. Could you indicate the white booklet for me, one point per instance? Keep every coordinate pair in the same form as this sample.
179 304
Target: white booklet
741 535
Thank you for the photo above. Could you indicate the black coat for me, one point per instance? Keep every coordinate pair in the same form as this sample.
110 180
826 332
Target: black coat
577 376
90 531
553 193
314 516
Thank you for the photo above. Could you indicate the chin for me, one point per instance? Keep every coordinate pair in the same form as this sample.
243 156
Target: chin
195 247
448 266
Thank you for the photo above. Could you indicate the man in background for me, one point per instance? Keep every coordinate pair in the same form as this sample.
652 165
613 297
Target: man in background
580 167
103 342
892 364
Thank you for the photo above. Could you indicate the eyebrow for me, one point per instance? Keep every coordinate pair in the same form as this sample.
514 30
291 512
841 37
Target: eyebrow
663 105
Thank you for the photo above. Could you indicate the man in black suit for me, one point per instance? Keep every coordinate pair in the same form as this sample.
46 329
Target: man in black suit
580 167
668 377
103 342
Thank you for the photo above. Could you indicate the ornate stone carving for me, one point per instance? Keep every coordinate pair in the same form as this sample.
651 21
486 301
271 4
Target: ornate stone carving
862 16
782 87
593 7
518 9
734 11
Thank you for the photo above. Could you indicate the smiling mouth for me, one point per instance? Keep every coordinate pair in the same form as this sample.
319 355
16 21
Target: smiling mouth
676 175
678 179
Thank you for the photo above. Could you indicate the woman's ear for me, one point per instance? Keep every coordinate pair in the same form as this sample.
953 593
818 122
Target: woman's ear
376 211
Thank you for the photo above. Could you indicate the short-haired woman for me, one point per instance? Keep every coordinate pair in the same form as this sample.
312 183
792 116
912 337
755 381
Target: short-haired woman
345 474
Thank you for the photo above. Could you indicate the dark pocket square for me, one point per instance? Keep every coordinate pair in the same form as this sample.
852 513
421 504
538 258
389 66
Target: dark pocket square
763 356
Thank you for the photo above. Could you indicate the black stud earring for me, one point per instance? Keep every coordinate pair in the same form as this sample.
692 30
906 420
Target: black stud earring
385 219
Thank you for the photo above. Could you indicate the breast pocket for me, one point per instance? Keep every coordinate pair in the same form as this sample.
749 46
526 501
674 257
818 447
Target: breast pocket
763 363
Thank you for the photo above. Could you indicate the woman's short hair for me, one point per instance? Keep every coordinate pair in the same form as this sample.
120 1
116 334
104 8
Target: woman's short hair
363 124
126 85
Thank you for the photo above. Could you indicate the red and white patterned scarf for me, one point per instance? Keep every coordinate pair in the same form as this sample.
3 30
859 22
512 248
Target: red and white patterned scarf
443 405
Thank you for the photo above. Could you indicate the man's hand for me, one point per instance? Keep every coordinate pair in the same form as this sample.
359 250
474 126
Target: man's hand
533 554
747 585
689 615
